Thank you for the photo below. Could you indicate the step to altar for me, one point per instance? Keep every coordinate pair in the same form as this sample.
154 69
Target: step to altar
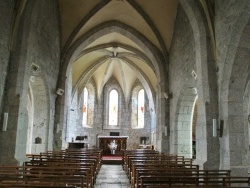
112 159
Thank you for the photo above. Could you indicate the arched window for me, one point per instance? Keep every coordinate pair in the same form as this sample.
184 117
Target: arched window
85 106
113 107
141 108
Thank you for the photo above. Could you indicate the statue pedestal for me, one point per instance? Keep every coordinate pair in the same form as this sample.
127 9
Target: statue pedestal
112 151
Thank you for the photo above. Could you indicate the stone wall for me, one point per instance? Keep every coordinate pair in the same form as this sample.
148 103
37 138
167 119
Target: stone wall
100 127
44 51
232 43
37 42
6 16
197 79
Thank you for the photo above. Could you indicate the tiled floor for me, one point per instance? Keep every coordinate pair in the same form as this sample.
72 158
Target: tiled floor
112 176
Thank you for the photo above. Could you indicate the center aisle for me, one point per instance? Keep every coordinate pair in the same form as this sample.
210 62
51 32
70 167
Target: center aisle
112 176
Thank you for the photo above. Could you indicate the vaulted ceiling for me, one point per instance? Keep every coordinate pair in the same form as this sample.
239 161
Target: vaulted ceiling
113 54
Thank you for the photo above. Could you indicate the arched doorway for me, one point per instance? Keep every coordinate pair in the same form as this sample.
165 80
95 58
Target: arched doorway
38 116
185 122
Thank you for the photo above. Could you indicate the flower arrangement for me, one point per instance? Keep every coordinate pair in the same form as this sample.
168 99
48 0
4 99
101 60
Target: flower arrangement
112 145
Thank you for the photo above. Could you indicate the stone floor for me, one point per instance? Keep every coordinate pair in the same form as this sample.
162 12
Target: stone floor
112 176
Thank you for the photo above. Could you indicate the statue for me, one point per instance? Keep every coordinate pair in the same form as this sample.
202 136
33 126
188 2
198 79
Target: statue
112 147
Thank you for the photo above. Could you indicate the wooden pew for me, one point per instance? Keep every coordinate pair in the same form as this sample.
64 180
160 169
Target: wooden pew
152 157
62 164
86 156
149 170
154 164
42 179
70 155
127 153
138 166
53 169
64 175
34 185
158 160
147 181
70 159
83 151
178 186
177 172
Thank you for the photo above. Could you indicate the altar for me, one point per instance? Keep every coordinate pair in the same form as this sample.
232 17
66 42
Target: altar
105 141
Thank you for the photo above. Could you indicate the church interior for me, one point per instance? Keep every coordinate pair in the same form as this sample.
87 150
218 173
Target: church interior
171 76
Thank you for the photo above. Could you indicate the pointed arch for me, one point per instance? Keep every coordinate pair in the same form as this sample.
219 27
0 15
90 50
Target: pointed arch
235 98
109 103
206 87
153 53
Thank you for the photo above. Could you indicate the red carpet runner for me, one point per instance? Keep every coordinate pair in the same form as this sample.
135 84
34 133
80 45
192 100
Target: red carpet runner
115 158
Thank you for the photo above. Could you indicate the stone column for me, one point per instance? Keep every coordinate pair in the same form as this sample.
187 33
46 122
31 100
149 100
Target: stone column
162 141
14 139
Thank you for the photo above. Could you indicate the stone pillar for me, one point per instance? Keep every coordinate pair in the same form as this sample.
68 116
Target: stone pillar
207 146
60 132
14 139
162 141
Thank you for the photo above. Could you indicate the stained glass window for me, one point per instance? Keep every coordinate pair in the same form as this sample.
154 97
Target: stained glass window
141 108
85 106
113 107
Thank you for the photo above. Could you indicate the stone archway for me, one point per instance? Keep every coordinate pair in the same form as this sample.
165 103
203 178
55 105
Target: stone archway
207 155
39 115
30 110
28 47
246 121
237 125
238 130
194 125
234 94
184 122
153 53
